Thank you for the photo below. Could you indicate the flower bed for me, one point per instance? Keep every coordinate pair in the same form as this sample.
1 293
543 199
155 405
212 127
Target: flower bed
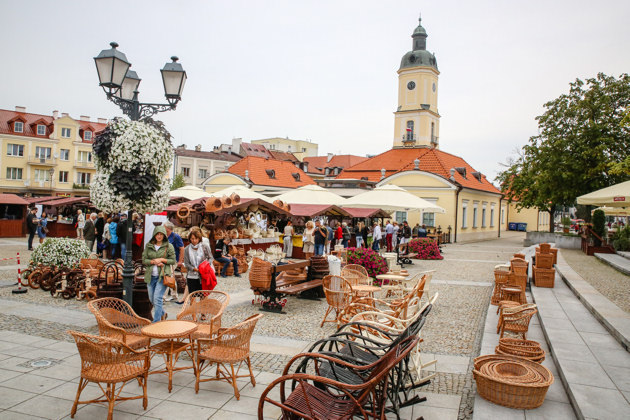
60 252
371 260
427 249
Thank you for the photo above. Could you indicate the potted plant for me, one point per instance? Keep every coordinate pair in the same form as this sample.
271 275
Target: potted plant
566 224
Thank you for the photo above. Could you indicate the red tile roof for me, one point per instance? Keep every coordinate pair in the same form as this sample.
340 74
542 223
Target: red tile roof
279 155
229 157
258 166
251 149
431 160
32 120
317 164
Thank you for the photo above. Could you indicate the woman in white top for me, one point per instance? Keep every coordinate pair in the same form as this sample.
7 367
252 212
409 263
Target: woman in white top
80 224
309 242
288 239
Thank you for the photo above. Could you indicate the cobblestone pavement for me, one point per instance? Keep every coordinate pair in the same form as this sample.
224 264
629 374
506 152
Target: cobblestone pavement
463 280
608 281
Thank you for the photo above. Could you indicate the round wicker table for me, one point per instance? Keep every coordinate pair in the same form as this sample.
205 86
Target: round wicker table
394 285
364 288
173 333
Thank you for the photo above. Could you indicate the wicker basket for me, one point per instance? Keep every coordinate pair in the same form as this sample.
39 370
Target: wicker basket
260 274
526 349
544 277
511 381
213 204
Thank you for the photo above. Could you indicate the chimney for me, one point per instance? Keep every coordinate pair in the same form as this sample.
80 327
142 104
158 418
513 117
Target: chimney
102 120
452 178
383 173
20 108
416 164
85 118
236 144
64 114
198 148
246 174
330 156
55 114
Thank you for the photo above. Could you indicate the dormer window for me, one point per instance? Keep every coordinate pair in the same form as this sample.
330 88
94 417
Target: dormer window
41 130
18 127
327 171
296 175
271 173
87 135
65 133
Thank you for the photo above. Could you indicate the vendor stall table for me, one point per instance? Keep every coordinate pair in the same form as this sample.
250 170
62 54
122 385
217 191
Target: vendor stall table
61 229
12 216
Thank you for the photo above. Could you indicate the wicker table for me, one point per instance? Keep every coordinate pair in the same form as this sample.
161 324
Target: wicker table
364 288
173 333
512 293
394 284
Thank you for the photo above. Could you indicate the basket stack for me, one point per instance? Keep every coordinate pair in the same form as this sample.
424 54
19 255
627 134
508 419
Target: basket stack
525 349
260 275
511 381
319 267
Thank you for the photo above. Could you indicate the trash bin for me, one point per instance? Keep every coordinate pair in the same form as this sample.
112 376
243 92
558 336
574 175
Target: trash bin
334 265
522 227
512 226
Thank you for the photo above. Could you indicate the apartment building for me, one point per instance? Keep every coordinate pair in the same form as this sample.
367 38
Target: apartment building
197 165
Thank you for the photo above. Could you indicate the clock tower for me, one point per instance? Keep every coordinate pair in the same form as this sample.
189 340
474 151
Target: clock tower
417 121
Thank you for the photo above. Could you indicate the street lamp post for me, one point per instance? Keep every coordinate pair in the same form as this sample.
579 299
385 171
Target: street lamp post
121 87
51 172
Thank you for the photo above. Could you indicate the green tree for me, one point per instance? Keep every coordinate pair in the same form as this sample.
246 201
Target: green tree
581 141
178 181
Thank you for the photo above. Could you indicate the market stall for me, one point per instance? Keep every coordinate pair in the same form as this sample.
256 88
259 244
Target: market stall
302 213
12 216
60 215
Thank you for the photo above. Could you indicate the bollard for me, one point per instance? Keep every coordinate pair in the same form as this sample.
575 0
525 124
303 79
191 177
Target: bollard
20 289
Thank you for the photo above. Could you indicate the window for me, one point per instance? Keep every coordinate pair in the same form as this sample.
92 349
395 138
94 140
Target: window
203 173
87 135
41 130
303 149
64 154
186 172
464 215
428 219
475 210
15 150
65 133
410 127
85 156
43 152
14 173
483 216
63 176
502 215
42 175
492 215
401 216
18 127
83 178
272 147
289 148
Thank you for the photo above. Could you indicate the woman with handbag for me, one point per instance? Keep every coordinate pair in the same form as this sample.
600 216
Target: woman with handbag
42 230
158 258
194 254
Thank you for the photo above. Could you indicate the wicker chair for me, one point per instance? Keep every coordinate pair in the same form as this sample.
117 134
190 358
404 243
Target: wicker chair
500 279
545 248
318 397
356 270
517 321
107 362
230 347
204 307
116 319
509 306
338 295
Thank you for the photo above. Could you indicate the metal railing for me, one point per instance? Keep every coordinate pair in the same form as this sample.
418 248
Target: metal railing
37 160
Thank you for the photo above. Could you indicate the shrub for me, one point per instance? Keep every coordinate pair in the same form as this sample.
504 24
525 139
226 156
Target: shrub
621 239
427 249
60 251
371 260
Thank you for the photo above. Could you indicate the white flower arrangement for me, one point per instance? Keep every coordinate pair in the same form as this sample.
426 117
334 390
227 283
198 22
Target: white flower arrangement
132 159
60 252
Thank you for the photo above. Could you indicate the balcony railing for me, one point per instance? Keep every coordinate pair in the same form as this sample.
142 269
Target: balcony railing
409 138
434 139
76 186
83 164
42 161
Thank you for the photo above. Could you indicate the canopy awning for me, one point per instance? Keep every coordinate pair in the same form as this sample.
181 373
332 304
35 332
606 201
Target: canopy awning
614 211
242 192
65 201
12 199
392 198
190 192
312 210
245 204
37 200
617 195
311 194
366 212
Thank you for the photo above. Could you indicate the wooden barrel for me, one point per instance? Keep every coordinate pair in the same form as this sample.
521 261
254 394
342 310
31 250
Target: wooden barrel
111 290
141 303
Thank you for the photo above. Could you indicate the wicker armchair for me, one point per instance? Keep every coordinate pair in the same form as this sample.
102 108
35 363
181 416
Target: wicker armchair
517 321
116 319
500 279
107 362
356 274
318 397
230 347
204 307
338 295
509 306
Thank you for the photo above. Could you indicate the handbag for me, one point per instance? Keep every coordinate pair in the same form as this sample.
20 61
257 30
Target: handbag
169 281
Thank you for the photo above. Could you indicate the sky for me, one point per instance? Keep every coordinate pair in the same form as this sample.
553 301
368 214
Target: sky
318 70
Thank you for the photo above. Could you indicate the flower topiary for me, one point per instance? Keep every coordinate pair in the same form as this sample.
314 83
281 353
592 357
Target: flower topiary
132 159
427 249
371 260
60 252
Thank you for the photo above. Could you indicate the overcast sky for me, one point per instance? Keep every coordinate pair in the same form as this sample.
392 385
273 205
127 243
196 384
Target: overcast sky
318 70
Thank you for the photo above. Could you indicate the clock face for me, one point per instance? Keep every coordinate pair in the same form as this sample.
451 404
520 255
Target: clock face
411 85
433 87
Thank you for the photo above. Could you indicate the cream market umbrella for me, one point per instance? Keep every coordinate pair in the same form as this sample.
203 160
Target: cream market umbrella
614 211
190 192
311 194
392 198
614 196
242 192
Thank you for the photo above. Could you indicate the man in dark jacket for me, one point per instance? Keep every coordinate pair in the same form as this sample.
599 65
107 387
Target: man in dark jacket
99 225
89 232
121 232
222 255
31 226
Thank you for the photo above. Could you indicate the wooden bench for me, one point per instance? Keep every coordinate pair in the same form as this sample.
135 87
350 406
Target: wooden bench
284 277
298 288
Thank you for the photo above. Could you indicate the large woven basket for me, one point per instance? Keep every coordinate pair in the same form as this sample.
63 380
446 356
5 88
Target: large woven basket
260 274
526 349
511 381
544 277
213 204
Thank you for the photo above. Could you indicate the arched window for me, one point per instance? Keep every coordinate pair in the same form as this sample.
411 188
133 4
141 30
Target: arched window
410 127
